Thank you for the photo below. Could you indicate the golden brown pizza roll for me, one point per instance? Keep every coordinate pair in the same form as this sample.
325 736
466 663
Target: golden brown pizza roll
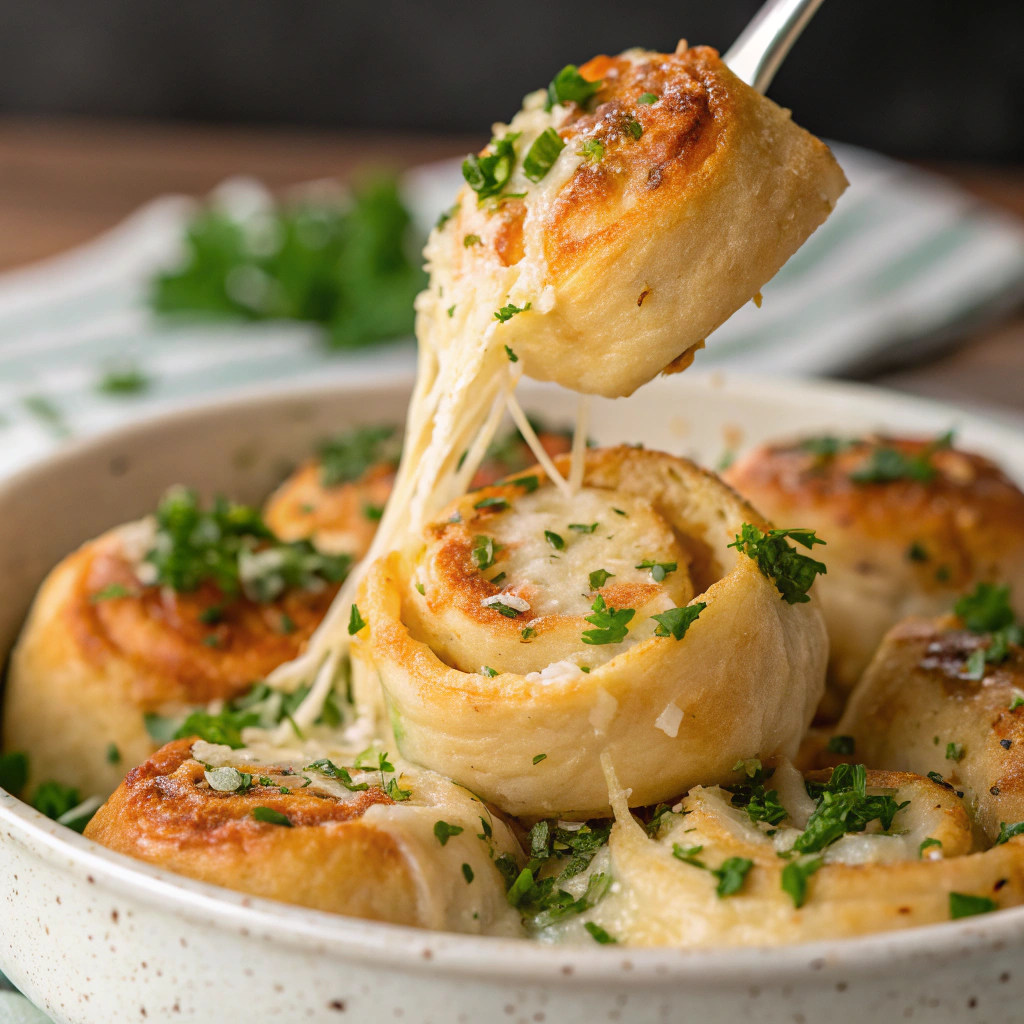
940 698
337 499
775 862
525 633
155 617
401 846
910 524
625 214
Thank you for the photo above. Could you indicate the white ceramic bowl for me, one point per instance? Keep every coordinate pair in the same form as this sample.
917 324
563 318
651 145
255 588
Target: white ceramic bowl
96 938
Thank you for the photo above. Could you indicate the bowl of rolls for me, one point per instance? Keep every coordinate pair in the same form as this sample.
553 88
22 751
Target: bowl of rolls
611 694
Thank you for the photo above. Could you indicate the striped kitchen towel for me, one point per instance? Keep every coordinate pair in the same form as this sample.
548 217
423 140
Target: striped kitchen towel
905 262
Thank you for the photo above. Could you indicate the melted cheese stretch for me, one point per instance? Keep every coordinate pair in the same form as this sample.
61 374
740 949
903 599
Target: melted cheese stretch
464 377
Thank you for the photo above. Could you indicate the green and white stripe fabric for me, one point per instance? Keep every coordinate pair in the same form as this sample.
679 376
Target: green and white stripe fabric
905 261
902 263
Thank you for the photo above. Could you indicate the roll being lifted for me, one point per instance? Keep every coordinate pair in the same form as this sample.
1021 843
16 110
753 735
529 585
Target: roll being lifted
639 631
625 214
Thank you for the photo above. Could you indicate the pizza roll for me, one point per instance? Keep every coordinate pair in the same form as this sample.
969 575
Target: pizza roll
625 214
337 499
524 634
910 524
769 864
112 638
940 699
403 846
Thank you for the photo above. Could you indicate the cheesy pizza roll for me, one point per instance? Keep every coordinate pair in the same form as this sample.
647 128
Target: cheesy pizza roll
654 615
945 697
624 214
390 844
337 499
153 618
778 859
911 523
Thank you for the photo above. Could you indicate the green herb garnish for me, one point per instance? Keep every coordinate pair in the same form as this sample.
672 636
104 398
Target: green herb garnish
506 313
659 570
676 621
791 572
927 844
13 772
843 745
554 540
964 905
487 175
347 457
542 154
355 621
443 831
271 817
123 380
592 150
512 357
583 527
611 625
484 549
648 98
111 592
794 878
569 86
537 758
599 577
598 934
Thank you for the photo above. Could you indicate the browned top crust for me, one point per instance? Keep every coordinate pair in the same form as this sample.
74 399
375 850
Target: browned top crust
165 801
178 657
964 521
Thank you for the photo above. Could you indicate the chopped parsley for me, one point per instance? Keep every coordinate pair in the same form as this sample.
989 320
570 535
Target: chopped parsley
974 666
554 540
986 609
393 790
529 633
844 806
113 754
498 579
13 772
54 799
731 875
450 311
965 905
506 313
228 780
795 875
676 621
224 728
1017 701
231 547
486 670
843 745
1006 832
373 512
887 464
111 592
487 175
791 572
446 215
826 446
537 758
954 751
347 457
471 240
569 86
634 127
126 379
497 503
330 770
598 934
484 549
355 621
542 154
271 817
467 874
599 577
647 99
583 527
592 151
927 844
346 265
659 570
688 854
611 625
506 610
443 831
761 804
512 357
917 553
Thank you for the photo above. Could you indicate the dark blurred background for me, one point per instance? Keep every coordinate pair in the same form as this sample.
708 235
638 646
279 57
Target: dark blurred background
925 79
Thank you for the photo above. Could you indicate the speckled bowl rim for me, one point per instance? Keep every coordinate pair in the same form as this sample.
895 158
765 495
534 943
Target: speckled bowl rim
481 957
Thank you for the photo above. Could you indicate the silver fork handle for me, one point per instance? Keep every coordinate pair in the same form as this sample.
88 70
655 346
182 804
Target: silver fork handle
762 46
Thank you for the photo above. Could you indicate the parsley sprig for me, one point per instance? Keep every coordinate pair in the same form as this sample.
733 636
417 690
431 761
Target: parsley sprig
231 547
348 456
987 610
611 624
791 572
886 463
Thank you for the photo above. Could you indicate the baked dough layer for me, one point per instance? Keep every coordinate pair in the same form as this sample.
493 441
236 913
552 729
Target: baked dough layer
742 682
895 548
631 261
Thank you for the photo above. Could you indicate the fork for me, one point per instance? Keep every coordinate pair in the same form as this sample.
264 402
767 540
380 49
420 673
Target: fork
762 46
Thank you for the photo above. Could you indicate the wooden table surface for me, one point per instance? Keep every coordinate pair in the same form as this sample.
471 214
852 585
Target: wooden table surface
62 182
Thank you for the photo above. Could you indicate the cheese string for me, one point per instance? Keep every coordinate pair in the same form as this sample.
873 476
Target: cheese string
530 436
579 444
